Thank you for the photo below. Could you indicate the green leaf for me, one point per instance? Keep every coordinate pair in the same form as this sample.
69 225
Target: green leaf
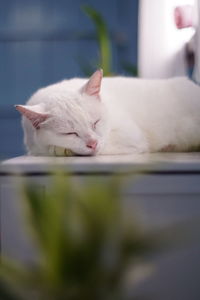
103 39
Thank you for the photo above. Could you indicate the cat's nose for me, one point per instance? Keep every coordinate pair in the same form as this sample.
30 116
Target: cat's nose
92 144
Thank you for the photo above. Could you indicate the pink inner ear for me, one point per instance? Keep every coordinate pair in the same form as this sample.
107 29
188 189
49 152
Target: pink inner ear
93 86
35 117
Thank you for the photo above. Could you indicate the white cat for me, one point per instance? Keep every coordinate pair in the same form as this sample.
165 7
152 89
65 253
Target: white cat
115 115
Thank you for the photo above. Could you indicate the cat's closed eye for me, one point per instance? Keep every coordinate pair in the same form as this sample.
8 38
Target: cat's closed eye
95 123
69 133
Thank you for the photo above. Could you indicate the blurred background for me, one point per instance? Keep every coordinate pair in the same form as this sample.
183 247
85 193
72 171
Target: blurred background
44 41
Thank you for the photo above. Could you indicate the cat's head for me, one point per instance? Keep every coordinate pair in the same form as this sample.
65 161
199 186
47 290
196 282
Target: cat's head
74 119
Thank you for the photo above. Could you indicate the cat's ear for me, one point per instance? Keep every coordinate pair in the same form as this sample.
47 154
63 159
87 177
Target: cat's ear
31 112
93 86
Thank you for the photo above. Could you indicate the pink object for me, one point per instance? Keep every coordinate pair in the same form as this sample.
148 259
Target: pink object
93 86
183 16
92 144
35 117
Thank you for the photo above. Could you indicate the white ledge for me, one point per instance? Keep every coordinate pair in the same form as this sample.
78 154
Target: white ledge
154 162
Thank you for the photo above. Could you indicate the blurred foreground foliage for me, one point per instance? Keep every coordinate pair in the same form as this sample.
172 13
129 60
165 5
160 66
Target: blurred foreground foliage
88 247
85 243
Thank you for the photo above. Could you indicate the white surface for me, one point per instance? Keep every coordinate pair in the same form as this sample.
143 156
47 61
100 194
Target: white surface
196 74
161 44
153 161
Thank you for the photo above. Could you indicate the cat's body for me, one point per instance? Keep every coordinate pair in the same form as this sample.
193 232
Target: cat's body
116 115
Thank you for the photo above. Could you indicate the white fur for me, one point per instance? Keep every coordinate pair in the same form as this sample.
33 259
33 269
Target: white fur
135 115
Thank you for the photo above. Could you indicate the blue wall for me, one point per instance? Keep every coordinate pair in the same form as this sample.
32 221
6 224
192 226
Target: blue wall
44 41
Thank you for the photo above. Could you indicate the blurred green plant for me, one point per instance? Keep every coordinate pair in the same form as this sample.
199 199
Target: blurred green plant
105 49
102 34
87 246
130 69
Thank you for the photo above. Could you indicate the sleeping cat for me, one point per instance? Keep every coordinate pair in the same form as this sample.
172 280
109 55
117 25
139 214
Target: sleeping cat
116 115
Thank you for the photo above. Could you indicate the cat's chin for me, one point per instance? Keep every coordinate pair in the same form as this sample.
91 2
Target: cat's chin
93 153
87 152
